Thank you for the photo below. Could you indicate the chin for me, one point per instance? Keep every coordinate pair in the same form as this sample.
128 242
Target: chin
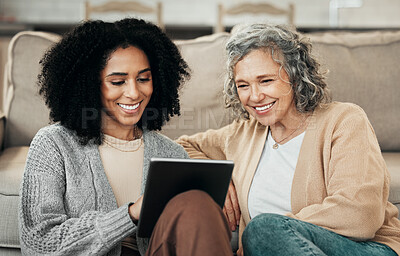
266 121
128 124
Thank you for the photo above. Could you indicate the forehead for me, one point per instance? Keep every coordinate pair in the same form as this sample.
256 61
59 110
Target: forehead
256 62
130 55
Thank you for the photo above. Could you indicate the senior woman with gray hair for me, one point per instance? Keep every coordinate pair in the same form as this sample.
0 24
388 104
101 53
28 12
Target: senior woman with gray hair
309 177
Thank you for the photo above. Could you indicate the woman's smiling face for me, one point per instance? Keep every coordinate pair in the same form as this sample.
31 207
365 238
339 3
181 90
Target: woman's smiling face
263 88
126 89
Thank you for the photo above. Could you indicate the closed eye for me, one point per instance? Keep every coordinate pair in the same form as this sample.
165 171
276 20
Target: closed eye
143 80
118 82
242 85
266 81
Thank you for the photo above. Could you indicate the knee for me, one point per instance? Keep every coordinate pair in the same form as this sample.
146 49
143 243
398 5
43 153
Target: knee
193 202
265 221
261 228
192 195
195 210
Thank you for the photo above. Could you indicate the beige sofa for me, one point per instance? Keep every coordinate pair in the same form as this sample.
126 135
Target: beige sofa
363 69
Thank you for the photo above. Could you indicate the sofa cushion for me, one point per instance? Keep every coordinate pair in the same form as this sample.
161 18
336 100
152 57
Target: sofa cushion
12 162
201 98
10 252
392 160
24 109
9 235
363 69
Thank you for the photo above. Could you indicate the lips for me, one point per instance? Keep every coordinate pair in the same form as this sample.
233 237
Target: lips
264 107
129 107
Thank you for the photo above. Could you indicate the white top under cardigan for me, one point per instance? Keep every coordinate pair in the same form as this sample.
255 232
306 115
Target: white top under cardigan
272 183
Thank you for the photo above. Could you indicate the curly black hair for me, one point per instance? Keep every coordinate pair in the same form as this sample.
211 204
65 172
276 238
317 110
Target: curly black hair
70 76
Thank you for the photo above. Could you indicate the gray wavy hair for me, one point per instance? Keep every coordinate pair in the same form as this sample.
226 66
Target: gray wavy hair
306 80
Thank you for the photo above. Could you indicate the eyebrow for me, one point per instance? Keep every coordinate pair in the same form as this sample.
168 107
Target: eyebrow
144 71
125 74
258 77
117 74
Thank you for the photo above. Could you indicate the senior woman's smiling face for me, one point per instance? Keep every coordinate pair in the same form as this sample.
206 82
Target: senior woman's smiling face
263 88
126 90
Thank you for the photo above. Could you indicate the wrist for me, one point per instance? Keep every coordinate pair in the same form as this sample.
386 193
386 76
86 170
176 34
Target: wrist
132 212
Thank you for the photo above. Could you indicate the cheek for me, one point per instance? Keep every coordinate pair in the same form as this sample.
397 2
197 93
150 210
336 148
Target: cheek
108 93
242 97
148 91
288 95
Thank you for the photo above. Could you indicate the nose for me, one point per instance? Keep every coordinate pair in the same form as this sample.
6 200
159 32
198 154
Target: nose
131 89
256 94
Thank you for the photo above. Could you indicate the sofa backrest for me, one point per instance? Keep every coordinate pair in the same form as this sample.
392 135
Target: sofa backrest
364 69
202 104
201 97
25 111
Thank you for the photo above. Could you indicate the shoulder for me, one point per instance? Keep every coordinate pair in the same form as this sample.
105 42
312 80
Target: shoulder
340 119
339 107
56 133
340 111
53 132
50 148
160 144
57 138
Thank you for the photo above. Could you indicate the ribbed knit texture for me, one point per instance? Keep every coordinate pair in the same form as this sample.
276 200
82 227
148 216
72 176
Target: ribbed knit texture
67 206
340 183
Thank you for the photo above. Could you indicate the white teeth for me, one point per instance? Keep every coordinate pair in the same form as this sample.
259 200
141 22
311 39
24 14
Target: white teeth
264 107
129 107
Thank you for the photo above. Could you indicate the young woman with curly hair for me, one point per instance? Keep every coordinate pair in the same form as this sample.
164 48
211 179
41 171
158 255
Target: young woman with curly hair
309 176
109 86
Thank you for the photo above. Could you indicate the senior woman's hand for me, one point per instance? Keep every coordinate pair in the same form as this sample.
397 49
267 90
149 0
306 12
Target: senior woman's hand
231 208
239 252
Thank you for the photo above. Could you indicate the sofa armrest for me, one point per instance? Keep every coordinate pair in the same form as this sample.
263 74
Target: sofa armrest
2 126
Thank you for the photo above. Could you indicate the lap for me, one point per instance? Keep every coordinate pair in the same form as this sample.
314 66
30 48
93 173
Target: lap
191 224
277 233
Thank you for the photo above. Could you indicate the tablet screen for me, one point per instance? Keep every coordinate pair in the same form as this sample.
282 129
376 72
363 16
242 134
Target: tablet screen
169 177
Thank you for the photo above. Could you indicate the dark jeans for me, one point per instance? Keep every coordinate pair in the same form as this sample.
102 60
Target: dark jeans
272 234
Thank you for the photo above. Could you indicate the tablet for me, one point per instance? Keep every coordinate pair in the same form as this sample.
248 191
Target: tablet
168 177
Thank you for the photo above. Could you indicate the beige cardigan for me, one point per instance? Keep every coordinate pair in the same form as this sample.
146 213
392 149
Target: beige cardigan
340 183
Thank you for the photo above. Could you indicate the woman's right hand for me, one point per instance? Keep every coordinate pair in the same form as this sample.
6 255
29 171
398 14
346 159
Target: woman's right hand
134 209
231 208
239 252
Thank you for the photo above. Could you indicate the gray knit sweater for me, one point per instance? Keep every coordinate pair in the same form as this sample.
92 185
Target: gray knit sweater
67 205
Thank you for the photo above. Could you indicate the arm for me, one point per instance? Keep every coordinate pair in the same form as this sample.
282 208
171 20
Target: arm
46 224
356 181
208 145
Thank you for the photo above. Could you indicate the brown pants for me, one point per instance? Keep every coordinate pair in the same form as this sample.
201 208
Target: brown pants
192 224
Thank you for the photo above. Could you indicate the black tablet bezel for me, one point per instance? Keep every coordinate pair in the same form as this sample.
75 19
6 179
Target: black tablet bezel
168 177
